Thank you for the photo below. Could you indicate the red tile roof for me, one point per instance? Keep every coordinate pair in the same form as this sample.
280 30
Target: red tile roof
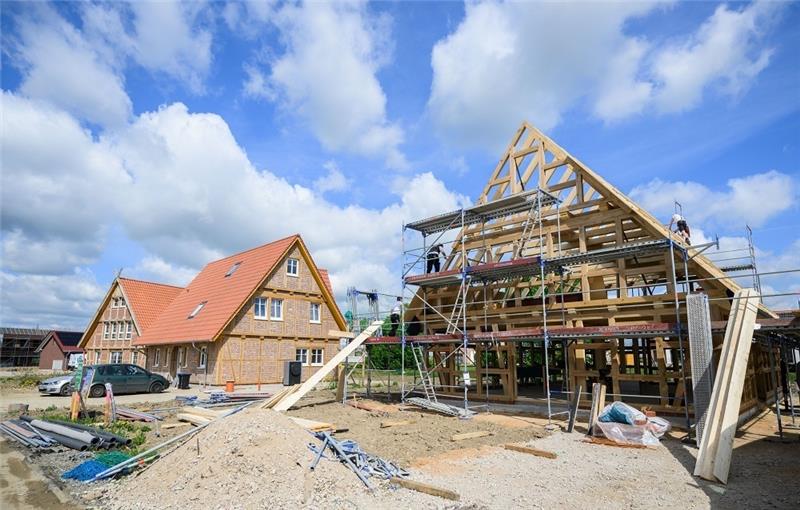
326 279
223 296
147 300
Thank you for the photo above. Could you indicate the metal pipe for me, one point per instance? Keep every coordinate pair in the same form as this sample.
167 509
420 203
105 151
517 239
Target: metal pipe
69 442
102 434
680 332
775 386
82 436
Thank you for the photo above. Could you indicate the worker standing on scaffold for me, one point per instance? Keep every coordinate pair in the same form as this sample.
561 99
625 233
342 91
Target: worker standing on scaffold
394 317
683 227
434 255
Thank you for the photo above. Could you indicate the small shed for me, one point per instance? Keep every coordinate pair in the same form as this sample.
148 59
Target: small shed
59 350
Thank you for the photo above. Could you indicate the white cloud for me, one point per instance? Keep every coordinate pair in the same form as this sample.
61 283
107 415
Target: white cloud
333 180
190 195
511 61
752 199
60 66
49 301
158 270
506 62
724 50
58 185
328 76
167 39
620 93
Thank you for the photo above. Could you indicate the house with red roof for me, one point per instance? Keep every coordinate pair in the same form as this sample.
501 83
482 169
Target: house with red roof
128 309
240 319
59 350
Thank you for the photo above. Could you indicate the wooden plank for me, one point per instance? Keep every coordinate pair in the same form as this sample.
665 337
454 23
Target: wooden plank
278 396
573 408
530 451
608 442
192 418
200 411
312 425
333 333
324 370
168 426
424 487
396 423
471 435
716 445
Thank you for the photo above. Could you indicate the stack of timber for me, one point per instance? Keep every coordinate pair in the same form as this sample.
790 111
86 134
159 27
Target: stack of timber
716 445
198 415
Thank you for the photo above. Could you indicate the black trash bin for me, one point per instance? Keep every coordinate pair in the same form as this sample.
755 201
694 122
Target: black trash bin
183 381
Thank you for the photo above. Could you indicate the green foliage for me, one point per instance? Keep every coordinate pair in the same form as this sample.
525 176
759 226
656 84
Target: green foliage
389 357
23 380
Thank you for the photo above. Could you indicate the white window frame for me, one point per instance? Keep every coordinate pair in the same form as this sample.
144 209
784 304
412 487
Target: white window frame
106 331
113 302
97 355
181 357
233 269
197 310
272 303
203 357
256 302
129 330
134 356
157 357
301 355
293 263
111 357
317 352
113 331
318 308
121 303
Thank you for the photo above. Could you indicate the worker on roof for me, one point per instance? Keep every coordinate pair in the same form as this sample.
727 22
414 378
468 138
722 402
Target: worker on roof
394 317
683 227
435 253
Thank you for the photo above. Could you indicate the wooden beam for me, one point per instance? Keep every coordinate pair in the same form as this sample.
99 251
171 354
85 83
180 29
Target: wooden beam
424 487
530 451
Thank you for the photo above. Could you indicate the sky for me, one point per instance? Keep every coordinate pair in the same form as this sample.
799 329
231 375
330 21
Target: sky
153 137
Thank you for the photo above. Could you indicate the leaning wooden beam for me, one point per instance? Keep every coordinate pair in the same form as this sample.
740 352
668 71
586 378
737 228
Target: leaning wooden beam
470 435
329 367
716 445
424 487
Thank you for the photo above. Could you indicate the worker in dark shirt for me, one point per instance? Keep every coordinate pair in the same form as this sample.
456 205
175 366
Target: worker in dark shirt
434 255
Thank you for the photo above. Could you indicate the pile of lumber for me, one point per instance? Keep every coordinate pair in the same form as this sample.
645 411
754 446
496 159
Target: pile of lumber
198 415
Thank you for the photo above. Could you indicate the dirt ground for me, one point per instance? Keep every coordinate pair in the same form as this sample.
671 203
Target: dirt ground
429 434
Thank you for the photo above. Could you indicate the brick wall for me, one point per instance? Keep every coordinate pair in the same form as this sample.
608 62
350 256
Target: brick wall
104 346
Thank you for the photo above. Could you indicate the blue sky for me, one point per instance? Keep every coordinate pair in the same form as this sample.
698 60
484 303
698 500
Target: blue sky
155 137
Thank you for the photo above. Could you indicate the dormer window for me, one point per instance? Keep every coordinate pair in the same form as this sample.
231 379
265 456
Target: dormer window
233 269
197 310
291 267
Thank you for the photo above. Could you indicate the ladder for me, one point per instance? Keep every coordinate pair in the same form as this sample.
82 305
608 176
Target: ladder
425 376
458 309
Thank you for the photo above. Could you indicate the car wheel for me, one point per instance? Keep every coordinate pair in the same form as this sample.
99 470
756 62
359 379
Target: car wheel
66 390
156 387
97 391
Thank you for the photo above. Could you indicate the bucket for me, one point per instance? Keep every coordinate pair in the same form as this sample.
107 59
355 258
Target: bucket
229 385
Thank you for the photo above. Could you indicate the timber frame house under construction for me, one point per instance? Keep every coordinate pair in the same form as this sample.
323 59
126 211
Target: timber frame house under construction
555 280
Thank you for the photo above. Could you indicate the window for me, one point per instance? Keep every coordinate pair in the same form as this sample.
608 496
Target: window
314 312
129 330
157 358
96 357
233 269
116 356
197 310
203 357
121 302
260 308
113 330
113 302
105 330
316 357
181 356
134 357
291 267
276 309
301 355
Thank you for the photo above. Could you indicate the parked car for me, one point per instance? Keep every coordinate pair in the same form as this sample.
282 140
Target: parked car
125 378
61 385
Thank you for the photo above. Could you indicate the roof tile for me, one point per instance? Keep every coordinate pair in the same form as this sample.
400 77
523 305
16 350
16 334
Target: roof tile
147 300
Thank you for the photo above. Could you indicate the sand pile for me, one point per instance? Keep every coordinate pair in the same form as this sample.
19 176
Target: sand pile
254 459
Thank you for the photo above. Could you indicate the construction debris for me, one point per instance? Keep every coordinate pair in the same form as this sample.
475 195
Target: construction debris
123 413
440 407
427 489
360 462
313 426
470 435
396 423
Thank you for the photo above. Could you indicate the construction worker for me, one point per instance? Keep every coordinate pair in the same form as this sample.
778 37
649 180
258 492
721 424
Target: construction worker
394 317
434 255
683 227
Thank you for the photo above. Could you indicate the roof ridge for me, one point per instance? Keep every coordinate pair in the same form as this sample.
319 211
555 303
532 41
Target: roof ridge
276 241
150 282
